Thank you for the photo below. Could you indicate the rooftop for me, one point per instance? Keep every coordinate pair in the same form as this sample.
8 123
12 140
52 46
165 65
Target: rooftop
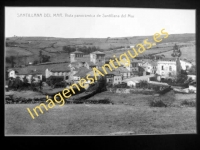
139 78
76 52
82 71
97 52
168 59
62 67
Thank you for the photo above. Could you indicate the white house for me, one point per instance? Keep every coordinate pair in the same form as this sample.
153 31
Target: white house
64 73
11 73
185 64
28 74
168 67
193 88
132 83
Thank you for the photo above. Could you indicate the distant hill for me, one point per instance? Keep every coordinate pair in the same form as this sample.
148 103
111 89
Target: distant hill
53 47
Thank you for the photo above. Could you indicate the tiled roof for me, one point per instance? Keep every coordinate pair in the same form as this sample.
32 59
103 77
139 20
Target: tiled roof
61 70
168 59
41 68
186 60
82 71
135 60
114 72
76 52
138 78
97 52
82 59
122 69
90 63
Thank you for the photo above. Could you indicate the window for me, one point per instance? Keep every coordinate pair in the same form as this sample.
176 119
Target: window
162 67
170 74
170 68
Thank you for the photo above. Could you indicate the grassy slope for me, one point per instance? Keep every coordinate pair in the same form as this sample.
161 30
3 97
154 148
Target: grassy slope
90 119
99 120
103 43
187 52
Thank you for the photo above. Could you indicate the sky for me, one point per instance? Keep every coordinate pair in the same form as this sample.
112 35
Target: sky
131 21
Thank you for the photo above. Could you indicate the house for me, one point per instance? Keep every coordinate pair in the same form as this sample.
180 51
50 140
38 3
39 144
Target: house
150 66
58 72
185 64
75 55
81 73
29 74
97 57
113 77
76 64
11 73
134 81
168 67
124 72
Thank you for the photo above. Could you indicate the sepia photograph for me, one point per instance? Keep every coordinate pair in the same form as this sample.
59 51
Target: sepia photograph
99 71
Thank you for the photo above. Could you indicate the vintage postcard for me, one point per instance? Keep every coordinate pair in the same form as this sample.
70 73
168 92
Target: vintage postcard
94 71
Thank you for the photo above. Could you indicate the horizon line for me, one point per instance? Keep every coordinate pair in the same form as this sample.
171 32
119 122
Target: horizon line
92 37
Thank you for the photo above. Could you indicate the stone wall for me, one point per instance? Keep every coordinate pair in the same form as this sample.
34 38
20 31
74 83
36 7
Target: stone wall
131 90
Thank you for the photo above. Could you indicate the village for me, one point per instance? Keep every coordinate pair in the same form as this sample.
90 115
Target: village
159 71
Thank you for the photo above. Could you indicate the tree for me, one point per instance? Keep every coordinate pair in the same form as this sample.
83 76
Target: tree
45 58
192 70
35 62
40 56
176 51
68 49
11 60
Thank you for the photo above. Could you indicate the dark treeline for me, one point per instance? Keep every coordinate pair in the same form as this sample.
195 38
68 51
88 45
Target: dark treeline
86 50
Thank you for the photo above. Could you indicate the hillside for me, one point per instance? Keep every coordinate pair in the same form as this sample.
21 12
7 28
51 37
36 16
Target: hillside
53 47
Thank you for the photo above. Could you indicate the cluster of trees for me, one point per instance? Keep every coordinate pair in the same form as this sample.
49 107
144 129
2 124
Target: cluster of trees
43 58
11 60
113 48
176 51
11 44
56 81
84 49
17 84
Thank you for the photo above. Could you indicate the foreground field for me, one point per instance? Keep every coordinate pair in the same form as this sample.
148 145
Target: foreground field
101 119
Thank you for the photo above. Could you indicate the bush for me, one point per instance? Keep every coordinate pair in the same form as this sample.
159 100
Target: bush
99 101
54 79
157 103
189 103
60 84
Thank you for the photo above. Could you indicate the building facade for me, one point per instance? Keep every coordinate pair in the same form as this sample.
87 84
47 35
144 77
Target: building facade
168 67
75 55
97 57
